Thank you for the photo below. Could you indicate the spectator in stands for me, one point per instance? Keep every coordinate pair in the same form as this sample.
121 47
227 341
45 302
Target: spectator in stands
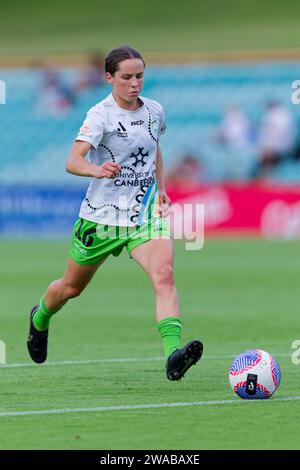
56 97
276 138
93 74
186 174
234 130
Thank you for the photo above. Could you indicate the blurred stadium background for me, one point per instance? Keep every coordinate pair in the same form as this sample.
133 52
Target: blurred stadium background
224 74
224 77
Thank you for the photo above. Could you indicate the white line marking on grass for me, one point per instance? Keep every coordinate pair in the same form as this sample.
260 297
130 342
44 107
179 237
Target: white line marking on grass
84 361
108 361
141 407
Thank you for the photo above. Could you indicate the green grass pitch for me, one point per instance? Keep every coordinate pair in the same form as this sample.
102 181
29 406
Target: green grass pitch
235 294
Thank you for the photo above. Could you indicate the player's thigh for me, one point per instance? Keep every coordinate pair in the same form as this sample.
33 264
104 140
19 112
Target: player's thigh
154 255
78 275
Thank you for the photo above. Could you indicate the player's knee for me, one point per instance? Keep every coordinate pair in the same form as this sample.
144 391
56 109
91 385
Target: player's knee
164 277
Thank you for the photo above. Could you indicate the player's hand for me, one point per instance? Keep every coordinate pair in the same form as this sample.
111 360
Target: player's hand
164 205
107 170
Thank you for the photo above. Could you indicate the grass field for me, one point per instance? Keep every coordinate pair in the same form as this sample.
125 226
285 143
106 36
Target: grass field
235 295
35 28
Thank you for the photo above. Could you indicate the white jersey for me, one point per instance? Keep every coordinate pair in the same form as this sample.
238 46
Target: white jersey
129 138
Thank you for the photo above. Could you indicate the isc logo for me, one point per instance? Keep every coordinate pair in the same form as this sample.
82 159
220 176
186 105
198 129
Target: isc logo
137 123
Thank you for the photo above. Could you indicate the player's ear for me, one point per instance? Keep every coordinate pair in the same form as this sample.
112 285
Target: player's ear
109 78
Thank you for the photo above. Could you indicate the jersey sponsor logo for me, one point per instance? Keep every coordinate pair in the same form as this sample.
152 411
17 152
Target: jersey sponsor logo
134 182
142 154
137 123
133 178
121 131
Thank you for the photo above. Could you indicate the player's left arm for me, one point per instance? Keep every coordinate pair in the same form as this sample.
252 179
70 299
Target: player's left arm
164 200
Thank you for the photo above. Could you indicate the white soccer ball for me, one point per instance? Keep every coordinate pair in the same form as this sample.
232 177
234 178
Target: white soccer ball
254 374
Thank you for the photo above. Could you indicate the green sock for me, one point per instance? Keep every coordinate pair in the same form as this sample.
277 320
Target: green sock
170 330
42 316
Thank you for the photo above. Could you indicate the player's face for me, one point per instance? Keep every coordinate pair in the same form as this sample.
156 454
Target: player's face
127 81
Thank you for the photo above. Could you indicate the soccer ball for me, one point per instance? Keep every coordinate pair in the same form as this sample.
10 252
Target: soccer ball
254 374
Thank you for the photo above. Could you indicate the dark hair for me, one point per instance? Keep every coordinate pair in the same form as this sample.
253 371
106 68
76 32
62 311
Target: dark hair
119 54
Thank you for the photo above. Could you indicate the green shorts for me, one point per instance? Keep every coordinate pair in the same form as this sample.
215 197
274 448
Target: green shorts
91 242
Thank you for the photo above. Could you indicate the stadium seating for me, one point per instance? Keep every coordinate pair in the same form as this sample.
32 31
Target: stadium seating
35 143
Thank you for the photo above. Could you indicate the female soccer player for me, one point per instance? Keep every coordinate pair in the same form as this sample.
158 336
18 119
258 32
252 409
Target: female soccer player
125 206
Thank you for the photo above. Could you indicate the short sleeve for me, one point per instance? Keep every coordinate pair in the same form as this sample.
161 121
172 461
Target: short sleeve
92 128
162 126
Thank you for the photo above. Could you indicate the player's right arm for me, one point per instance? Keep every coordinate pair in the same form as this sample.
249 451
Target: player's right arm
78 165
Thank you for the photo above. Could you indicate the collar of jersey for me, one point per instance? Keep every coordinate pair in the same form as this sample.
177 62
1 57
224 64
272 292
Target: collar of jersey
127 110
